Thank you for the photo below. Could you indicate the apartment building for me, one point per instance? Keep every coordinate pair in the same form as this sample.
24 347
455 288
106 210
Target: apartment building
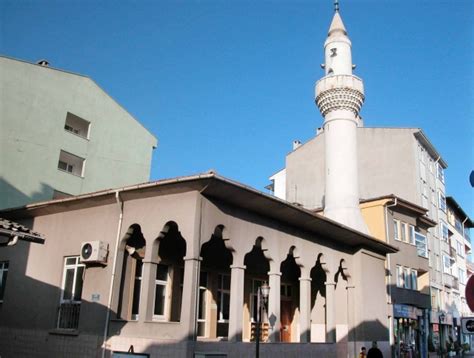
63 135
459 225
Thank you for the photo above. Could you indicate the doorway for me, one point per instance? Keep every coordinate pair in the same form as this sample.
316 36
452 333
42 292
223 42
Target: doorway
286 320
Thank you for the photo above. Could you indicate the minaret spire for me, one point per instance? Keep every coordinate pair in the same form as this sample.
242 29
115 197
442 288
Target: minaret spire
339 96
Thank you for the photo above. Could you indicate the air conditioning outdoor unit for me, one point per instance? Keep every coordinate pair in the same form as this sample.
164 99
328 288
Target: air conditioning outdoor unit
94 252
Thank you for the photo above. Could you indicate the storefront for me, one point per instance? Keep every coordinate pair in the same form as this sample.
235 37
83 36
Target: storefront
441 329
408 329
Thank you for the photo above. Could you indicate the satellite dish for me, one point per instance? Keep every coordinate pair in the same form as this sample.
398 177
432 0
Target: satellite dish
470 293
86 251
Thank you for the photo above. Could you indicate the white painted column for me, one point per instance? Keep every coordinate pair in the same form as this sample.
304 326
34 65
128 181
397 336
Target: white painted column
190 292
351 328
274 306
236 303
145 310
330 313
305 309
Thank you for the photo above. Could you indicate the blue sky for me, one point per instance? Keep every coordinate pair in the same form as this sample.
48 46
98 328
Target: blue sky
229 85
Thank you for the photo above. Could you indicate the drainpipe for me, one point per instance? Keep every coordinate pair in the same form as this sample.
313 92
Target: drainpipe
114 264
389 298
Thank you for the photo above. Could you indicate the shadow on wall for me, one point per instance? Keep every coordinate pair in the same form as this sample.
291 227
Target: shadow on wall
11 197
35 318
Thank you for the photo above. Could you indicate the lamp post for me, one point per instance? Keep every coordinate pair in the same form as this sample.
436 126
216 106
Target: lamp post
441 319
262 296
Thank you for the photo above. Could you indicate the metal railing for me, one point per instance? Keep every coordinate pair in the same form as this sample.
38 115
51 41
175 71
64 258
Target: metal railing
68 315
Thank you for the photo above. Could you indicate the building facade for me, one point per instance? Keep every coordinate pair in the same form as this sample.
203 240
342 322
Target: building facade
173 270
63 135
404 225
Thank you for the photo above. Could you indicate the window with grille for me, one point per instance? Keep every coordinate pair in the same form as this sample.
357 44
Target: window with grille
71 292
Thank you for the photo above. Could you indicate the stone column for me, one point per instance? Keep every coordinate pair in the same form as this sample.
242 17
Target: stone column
236 302
274 306
190 297
330 313
305 309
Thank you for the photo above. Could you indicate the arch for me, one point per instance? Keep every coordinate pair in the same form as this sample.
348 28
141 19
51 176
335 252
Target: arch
132 251
167 274
289 297
341 273
214 286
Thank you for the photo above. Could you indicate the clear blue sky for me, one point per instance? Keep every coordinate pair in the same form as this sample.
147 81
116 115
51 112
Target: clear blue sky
229 85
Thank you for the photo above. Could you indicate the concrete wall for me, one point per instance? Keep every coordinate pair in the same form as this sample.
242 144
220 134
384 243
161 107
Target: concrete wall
386 164
34 104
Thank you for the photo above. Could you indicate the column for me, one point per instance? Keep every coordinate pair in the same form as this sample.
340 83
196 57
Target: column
190 296
305 309
145 310
330 316
274 306
351 328
236 302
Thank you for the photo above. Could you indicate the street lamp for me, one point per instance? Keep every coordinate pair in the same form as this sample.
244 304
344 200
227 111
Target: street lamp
262 296
441 317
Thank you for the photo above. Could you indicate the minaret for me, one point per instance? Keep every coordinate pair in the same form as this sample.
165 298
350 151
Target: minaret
339 96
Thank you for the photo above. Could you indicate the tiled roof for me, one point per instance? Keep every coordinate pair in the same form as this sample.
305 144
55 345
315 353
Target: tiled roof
11 229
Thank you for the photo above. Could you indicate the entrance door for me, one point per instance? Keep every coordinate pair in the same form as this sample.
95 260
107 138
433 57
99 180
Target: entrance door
286 318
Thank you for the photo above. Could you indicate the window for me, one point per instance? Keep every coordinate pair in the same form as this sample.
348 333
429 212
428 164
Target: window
161 285
202 309
411 234
137 286
256 284
461 276
414 280
446 264
399 276
3 278
403 232
71 292
441 201
421 246
223 304
443 230
71 163
77 125
406 278
460 248
396 225
440 171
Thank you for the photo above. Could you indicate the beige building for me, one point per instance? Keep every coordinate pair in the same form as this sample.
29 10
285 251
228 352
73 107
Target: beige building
172 268
404 225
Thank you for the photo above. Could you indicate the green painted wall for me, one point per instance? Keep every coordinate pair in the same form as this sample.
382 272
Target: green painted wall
34 102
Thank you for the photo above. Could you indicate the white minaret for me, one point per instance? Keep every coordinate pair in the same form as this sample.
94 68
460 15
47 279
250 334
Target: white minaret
339 96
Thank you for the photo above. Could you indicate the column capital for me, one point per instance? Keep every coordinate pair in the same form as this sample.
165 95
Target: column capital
330 283
305 279
242 267
274 273
348 287
189 258
151 261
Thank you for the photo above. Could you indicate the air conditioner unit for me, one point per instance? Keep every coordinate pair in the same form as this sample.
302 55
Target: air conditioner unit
94 252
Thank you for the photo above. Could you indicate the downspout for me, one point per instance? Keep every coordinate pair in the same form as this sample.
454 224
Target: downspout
389 299
114 264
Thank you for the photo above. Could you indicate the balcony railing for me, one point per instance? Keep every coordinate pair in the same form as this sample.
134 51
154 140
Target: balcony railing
68 315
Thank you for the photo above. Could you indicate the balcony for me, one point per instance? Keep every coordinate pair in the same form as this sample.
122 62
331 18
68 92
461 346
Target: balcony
68 315
470 266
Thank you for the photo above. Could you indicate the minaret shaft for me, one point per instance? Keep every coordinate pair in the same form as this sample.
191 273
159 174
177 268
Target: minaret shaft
339 96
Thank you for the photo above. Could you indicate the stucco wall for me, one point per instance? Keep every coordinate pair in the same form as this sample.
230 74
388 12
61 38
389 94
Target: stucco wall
34 103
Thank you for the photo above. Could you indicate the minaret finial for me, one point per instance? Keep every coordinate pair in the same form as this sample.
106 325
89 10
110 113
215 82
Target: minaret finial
336 5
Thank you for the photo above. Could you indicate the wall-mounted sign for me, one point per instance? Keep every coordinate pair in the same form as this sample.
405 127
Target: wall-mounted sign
467 324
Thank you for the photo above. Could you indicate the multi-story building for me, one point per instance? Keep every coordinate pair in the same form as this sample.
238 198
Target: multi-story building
404 225
459 225
61 134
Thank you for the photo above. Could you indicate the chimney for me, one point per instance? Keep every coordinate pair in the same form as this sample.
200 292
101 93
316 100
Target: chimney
296 144
43 63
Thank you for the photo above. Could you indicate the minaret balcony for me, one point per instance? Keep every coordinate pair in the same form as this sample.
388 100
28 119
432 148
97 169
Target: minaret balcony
344 92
